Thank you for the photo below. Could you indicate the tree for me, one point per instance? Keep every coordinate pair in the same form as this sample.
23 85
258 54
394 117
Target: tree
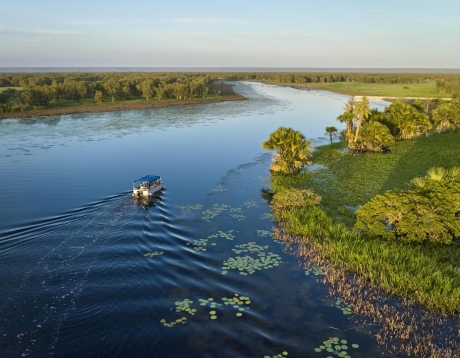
362 110
332 131
428 212
447 117
375 136
348 118
113 88
292 150
98 97
406 121
147 88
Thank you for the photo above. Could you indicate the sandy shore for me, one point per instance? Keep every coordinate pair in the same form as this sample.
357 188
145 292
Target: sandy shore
226 94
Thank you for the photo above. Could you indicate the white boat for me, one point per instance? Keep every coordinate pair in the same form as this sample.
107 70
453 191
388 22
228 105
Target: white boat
148 185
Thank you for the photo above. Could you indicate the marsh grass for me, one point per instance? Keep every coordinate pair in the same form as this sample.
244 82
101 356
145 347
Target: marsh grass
425 89
427 273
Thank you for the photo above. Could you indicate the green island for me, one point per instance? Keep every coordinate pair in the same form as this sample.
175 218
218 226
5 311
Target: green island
383 202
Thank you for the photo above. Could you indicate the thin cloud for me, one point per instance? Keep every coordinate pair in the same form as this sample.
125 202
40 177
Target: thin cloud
206 21
55 32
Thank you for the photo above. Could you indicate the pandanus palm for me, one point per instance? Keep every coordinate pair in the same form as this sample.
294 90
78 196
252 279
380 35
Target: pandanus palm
375 136
332 131
447 118
408 122
363 111
292 150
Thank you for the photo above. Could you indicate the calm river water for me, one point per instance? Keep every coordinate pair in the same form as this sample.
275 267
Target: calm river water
87 271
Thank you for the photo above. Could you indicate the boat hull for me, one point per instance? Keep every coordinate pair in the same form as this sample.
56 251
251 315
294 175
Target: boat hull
147 192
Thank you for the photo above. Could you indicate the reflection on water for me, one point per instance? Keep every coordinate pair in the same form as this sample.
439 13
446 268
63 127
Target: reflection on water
194 272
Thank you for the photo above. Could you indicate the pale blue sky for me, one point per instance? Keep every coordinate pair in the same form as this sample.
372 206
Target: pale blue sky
250 33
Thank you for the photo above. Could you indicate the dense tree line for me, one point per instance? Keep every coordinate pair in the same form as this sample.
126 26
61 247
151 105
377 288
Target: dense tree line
374 130
44 89
360 77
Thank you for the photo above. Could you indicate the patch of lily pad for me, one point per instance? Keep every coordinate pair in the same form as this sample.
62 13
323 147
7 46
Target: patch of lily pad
342 305
215 211
190 207
281 355
218 188
248 265
250 204
237 213
200 244
336 346
153 254
313 270
237 303
266 216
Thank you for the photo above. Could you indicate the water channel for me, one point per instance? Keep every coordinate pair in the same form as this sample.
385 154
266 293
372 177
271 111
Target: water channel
87 271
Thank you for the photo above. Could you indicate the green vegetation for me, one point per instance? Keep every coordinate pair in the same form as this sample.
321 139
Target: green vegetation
41 90
428 212
22 92
331 132
428 272
292 150
426 89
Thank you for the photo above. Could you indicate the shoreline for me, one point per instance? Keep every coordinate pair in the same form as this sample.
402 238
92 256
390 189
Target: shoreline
358 96
227 94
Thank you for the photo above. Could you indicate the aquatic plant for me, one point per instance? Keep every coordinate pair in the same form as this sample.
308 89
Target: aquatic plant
316 271
398 323
190 207
281 355
249 264
236 302
153 254
343 306
336 346
250 204
219 188
215 211
237 213
266 216
200 244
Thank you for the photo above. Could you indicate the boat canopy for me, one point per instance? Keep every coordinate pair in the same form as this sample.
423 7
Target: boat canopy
148 178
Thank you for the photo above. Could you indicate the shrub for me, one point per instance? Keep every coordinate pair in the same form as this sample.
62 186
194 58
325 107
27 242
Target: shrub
429 212
294 198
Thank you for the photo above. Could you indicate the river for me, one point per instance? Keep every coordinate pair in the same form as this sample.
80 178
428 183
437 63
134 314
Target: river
88 271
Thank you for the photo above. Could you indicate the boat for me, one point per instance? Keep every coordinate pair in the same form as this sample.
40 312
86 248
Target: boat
147 185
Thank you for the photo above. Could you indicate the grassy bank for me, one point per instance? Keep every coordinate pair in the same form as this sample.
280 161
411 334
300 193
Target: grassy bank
428 273
426 90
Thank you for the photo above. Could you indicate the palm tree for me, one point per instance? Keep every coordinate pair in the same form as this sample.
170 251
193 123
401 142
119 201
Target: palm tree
375 136
348 117
437 174
292 150
332 131
446 117
363 110
407 121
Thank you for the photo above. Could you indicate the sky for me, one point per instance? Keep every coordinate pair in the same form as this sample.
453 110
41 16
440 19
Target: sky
249 33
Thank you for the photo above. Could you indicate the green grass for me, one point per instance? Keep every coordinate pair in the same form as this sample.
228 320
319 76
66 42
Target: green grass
426 89
428 273
5 88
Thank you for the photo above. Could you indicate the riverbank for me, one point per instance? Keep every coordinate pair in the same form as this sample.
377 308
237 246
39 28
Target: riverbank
226 94
374 91
428 274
